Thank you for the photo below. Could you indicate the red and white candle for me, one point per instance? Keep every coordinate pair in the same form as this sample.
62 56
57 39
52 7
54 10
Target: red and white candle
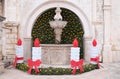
36 50
19 51
75 51
94 51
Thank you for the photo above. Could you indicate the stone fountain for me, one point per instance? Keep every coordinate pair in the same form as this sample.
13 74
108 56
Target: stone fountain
58 25
56 54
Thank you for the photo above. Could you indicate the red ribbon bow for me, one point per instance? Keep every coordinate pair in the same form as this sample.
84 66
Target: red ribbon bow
15 61
32 64
96 60
75 64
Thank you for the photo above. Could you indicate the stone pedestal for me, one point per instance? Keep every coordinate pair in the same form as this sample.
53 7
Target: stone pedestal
87 46
107 54
56 54
27 47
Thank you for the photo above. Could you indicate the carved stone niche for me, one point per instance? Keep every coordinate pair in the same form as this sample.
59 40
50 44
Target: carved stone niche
56 54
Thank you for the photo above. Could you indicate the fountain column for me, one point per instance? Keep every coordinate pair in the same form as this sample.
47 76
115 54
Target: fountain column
58 25
58 35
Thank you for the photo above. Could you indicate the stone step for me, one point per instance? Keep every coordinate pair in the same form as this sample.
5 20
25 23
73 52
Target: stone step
54 66
58 66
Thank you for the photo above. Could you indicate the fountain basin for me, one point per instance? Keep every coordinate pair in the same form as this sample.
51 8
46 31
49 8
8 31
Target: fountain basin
56 54
58 24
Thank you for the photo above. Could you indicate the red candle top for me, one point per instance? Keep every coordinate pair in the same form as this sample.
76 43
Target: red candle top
19 42
94 43
75 43
36 42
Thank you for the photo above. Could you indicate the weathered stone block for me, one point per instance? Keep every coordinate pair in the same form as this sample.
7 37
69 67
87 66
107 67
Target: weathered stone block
7 31
14 30
10 52
10 46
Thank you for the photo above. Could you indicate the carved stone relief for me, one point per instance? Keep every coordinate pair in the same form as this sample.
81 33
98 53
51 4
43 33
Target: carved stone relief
99 11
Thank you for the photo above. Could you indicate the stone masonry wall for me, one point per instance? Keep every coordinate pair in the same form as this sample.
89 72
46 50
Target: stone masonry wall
11 35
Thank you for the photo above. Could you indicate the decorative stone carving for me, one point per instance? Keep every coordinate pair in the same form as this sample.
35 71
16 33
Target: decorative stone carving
58 14
99 11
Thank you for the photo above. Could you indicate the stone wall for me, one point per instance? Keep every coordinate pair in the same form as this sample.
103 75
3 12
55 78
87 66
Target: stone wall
115 31
1 63
1 7
97 21
11 36
10 10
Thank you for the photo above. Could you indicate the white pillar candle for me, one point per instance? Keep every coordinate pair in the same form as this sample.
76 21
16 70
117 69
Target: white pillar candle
36 53
75 53
19 53
94 53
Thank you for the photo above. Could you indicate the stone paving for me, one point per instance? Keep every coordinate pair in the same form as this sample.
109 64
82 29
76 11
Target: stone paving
110 71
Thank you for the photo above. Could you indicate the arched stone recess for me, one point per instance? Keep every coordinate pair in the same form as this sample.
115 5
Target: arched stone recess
28 22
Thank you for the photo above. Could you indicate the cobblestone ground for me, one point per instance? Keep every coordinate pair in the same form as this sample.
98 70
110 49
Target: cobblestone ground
110 71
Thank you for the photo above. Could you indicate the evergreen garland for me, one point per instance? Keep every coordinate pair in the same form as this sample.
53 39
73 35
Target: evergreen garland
72 30
56 71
